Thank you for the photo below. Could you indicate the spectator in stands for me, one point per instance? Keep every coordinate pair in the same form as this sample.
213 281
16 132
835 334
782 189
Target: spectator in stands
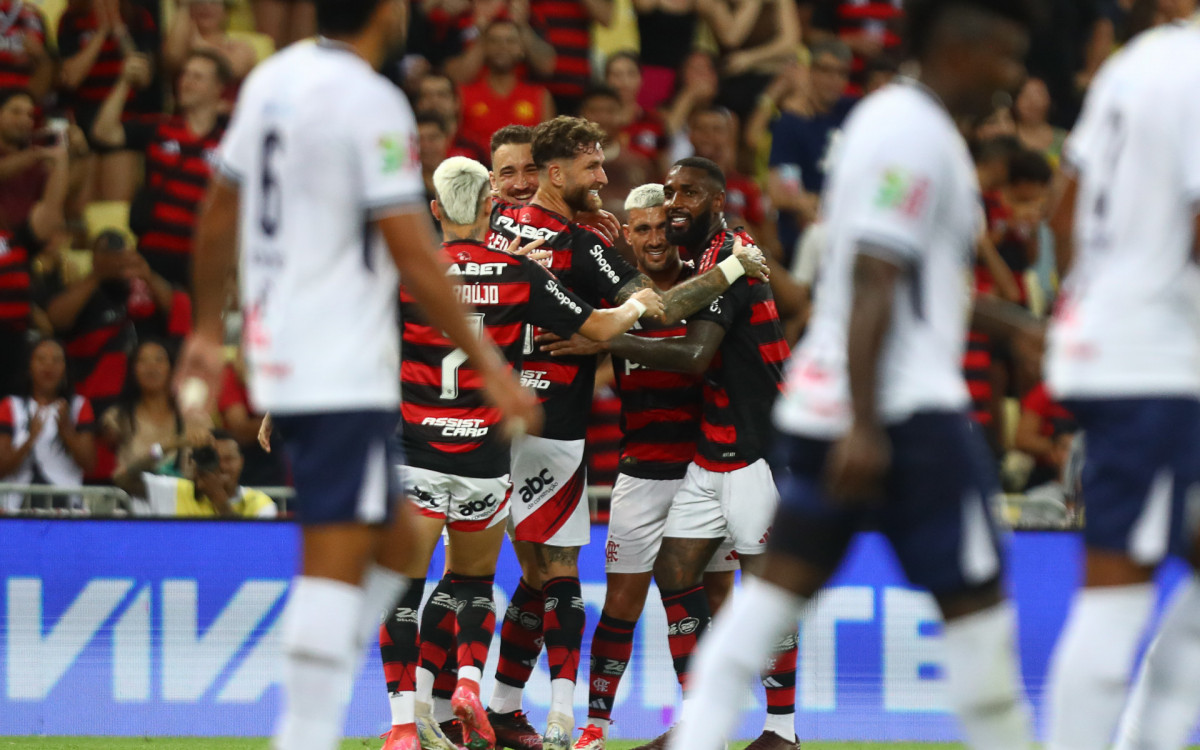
1031 112
713 132
878 73
757 38
178 150
285 21
204 25
667 29
789 92
566 25
698 82
870 28
514 175
1044 432
432 146
1016 210
46 430
500 96
641 129
25 61
22 163
625 168
146 414
800 143
94 39
20 243
210 487
467 66
437 94
99 318
262 468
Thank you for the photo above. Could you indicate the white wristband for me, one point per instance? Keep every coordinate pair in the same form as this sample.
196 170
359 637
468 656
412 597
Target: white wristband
637 305
732 268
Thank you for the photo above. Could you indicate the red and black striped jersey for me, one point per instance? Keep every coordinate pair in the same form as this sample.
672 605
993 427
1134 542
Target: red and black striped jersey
20 22
178 168
17 250
660 411
445 414
76 28
566 26
746 374
590 267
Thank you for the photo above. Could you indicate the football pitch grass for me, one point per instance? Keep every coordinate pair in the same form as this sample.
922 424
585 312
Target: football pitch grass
242 743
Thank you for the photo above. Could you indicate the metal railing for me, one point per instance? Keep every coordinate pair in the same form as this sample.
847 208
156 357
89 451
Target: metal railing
38 501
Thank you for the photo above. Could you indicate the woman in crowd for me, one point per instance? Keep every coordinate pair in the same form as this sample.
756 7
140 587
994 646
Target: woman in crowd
696 89
204 25
1031 113
667 29
643 128
146 414
45 429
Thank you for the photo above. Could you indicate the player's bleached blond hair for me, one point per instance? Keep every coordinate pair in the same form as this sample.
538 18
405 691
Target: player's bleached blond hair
649 195
460 184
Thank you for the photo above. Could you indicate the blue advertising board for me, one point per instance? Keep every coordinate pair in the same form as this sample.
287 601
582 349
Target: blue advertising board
172 628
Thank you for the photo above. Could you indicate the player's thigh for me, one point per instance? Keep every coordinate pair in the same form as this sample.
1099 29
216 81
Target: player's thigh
1140 463
810 533
526 554
477 510
749 498
474 553
937 513
549 492
637 518
557 562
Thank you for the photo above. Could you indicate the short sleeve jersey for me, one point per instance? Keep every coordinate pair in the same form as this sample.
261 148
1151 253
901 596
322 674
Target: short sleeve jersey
591 268
744 378
448 424
1128 321
902 187
322 145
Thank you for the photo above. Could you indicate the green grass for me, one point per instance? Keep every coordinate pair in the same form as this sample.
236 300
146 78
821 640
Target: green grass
241 743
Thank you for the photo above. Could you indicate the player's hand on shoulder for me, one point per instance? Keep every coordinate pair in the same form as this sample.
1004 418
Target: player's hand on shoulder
752 260
557 346
601 221
858 465
652 301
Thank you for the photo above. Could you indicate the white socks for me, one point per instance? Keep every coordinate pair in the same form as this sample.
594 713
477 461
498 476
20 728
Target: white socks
1166 697
320 642
1092 661
562 698
425 680
404 707
474 674
984 682
736 648
505 698
783 725
382 589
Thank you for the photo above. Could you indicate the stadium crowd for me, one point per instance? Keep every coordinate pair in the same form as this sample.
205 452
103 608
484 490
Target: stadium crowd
110 111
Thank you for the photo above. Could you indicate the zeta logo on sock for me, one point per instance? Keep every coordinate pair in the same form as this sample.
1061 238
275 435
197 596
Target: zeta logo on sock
551 603
686 626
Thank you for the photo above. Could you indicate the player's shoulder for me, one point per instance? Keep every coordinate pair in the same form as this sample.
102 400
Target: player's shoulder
589 235
463 253
899 113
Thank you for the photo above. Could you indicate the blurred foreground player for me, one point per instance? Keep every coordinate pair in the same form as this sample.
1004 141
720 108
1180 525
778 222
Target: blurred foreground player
320 141
1125 360
548 471
736 345
457 458
874 421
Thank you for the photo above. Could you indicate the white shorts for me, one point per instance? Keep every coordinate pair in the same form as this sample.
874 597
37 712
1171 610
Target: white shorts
637 520
549 492
737 504
465 503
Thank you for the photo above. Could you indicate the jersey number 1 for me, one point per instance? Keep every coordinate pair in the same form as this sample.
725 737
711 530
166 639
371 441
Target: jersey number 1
457 358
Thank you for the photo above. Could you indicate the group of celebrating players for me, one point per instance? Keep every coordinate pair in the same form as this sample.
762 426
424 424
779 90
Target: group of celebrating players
319 184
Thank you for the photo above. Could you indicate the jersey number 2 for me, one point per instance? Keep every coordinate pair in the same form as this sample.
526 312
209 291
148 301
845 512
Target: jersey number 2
457 358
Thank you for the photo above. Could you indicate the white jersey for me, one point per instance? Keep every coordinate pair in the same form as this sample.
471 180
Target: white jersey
902 184
320 145
1128 323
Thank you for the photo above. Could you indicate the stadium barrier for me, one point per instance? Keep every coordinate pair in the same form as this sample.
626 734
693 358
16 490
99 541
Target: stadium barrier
38 500
171 627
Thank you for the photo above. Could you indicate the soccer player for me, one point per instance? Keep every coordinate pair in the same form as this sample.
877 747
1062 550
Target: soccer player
457 470
514 176
548 471
737 345
320 183
1124 359
660 423
873 416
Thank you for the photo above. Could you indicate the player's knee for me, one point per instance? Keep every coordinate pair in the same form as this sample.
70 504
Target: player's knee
322 620
624 599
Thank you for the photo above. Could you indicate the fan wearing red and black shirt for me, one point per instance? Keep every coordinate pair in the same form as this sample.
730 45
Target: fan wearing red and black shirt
737 345
457 460
24 61
178 151
548 470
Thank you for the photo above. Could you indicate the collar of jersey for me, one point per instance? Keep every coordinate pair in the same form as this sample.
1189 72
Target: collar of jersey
460 241
916 84
545 210
325 42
